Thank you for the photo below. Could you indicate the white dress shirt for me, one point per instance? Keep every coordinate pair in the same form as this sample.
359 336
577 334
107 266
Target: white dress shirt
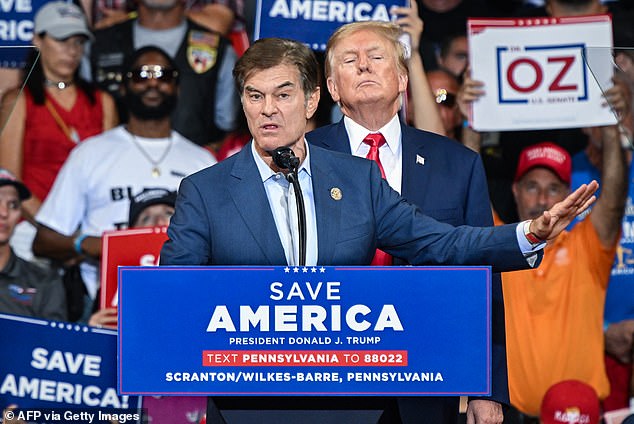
277 191
390 154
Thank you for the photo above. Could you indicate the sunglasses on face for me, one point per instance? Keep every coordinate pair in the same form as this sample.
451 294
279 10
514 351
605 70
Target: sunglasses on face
445 98
156 72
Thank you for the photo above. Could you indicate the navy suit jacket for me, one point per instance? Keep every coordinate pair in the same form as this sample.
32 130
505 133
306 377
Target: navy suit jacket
451 187
223 217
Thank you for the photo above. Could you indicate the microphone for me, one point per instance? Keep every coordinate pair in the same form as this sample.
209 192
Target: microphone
285 158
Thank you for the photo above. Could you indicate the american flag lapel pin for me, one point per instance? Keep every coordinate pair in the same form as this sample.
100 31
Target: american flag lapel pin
420 160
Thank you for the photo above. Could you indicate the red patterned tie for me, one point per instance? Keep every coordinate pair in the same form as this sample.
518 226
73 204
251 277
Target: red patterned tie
375 141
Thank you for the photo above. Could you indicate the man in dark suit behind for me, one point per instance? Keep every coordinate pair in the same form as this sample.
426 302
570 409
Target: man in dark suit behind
366 75
233 213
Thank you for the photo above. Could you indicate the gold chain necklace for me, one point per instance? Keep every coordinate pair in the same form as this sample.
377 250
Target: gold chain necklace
156 171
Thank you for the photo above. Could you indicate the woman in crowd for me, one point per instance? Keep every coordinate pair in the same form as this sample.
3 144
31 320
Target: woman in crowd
56 109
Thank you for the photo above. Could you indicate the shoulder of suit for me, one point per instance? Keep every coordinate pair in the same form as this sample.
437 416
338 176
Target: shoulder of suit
320 153
318 134
436 141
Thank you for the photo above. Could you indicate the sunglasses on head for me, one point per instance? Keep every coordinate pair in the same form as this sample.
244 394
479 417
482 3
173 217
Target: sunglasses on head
445 98
156 72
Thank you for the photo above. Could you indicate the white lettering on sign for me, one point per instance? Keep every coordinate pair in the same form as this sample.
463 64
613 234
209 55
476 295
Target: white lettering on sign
66 362
329 11
13 30
311 317
20 6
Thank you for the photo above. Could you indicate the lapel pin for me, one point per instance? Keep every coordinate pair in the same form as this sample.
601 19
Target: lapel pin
420 160
335 193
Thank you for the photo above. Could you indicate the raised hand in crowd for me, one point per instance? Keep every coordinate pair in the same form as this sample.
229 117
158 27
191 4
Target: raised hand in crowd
619 339
424 113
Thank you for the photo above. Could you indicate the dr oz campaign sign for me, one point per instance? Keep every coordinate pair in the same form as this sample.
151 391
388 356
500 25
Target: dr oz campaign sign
313 21
541 73
304 330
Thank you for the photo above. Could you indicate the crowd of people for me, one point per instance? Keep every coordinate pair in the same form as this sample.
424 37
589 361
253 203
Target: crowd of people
127 102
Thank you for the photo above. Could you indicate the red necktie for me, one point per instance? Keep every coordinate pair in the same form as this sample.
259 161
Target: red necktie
376 140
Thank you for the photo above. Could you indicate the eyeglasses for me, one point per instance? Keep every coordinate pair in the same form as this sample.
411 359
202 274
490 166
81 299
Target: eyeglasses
156 72
445 98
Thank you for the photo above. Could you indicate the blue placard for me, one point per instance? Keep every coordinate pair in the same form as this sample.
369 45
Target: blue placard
16 30
304 330
313 21
49 364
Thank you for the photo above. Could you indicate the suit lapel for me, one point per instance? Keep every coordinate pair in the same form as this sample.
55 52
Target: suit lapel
326 208
249 195
336 138
415 175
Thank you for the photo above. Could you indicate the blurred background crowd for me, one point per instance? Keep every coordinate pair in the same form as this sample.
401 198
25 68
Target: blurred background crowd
155 115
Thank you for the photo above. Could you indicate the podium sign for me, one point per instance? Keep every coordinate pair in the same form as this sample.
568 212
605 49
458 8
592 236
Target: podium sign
304 330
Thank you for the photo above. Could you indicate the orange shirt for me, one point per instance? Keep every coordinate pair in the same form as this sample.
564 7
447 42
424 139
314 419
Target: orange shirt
554 318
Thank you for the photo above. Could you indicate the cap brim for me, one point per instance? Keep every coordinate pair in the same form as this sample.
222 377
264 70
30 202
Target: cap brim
63 32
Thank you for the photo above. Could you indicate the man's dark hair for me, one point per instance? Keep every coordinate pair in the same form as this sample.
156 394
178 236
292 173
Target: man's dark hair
266 53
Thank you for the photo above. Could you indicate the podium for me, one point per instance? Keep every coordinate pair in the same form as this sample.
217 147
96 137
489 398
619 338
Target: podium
304 344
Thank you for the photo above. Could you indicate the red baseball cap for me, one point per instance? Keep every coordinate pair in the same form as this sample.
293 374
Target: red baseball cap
570 401
546 155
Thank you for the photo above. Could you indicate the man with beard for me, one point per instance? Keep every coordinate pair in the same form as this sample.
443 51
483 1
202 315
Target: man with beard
208 103
92 192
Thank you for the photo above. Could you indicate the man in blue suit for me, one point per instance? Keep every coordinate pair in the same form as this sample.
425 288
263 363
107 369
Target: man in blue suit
235 213
440 176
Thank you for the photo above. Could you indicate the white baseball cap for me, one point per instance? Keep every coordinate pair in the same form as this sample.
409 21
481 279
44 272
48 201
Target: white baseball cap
61 20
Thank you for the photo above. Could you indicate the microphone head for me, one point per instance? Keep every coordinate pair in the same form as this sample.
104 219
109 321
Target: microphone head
284 158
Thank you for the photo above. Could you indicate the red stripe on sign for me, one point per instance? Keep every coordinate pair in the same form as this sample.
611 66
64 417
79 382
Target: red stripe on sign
304 358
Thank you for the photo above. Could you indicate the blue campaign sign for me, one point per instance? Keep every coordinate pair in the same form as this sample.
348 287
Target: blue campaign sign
304 330
313 21
49 364
16 30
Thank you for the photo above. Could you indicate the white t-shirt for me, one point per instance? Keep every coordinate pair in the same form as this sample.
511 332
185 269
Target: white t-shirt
93 189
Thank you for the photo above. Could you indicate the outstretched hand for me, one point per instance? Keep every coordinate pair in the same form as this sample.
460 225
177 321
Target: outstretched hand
553 221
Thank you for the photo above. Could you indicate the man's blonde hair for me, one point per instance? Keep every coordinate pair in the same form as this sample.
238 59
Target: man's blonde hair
387 30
